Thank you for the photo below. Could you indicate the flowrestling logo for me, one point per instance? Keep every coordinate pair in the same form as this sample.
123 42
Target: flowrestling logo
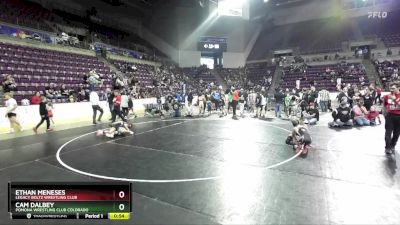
377 15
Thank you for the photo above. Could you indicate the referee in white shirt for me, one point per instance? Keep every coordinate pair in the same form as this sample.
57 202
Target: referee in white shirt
94 99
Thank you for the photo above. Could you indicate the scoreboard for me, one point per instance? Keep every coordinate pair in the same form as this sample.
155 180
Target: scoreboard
96 200
212 44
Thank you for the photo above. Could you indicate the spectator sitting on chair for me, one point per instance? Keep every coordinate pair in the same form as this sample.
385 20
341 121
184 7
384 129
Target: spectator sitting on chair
49 92
9 84
360 113
343 115
64 91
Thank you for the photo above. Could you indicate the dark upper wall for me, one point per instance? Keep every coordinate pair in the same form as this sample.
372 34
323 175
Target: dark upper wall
174 24
182 26
322 34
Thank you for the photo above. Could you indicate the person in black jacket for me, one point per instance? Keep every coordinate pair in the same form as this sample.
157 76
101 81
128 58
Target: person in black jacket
279 99
304 99
311 115
110 98
368 99
343 115
189 104
44 114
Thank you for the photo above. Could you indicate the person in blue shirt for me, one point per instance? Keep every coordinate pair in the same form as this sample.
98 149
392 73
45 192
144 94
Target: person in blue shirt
216 98
179 97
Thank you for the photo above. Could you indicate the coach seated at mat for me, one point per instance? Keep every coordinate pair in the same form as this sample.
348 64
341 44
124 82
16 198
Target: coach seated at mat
360 113
343 115
311 115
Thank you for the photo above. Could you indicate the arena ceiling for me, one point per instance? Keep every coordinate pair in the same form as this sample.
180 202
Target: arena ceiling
148 6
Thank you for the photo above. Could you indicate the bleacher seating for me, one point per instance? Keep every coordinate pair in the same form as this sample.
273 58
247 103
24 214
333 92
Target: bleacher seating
257 71
164 80
143 73
391 40
200 73
317 36
33 68
232 76
317 75
386 70
25 13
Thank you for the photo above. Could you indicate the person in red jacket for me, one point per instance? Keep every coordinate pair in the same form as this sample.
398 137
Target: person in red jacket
235 100
117 107
35 100
391 104
373 116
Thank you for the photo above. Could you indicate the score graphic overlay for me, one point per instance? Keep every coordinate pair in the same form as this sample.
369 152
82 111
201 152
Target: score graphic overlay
97 200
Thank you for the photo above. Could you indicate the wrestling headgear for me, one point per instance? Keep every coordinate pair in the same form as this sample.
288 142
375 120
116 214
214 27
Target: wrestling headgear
295 121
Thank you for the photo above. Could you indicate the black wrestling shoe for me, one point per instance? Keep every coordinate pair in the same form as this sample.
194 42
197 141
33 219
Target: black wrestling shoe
389 151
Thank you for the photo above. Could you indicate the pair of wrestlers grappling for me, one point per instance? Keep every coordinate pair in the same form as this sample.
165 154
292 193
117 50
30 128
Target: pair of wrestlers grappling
299 138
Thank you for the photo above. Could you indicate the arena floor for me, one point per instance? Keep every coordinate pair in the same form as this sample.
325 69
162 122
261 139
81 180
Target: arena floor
219 171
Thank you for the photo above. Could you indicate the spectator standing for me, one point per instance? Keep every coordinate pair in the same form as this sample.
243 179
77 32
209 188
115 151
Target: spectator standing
189 104
216 98
44 115
110 99
50 109
93 80
279 100
263 104
378 95
117 107
242 102
125 103
368 99
324 98
389 52
11 114
391 104
235 100
118 83
288 97
95 100
202 103
35 100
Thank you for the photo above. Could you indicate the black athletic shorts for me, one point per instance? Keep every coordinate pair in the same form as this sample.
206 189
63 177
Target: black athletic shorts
9 115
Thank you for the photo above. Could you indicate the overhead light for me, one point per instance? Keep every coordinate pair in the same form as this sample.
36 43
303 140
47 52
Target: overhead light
266 0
